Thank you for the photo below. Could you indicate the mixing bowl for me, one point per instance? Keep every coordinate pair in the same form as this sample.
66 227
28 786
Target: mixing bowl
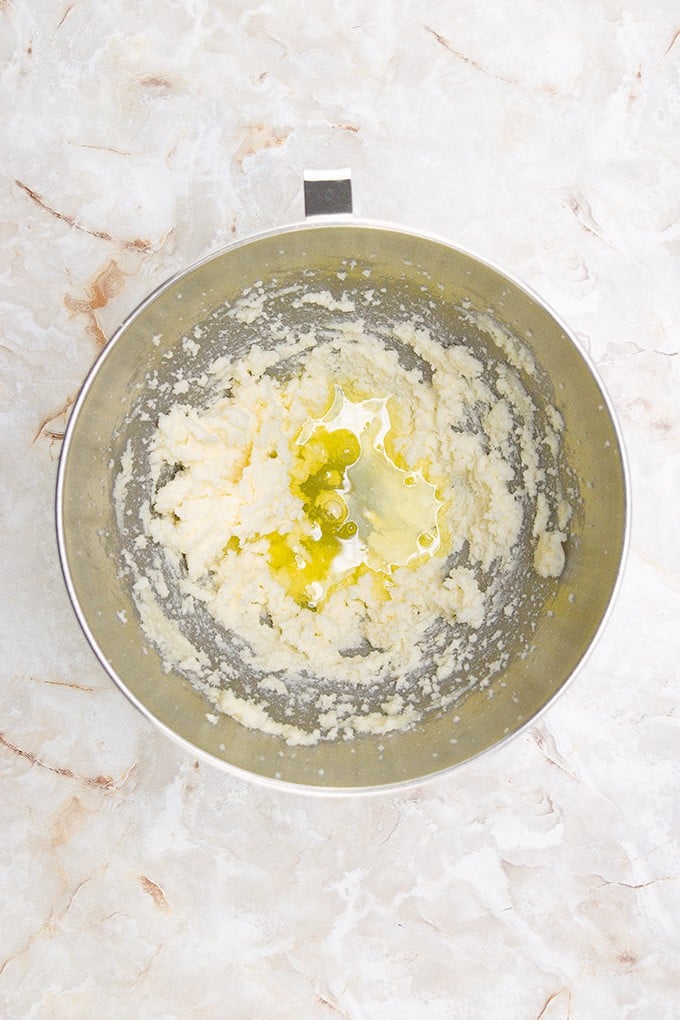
559 619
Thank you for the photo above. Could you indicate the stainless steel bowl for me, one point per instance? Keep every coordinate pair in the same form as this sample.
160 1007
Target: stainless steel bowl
416 271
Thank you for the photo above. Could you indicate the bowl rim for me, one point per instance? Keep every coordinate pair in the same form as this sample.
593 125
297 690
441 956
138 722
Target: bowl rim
344 221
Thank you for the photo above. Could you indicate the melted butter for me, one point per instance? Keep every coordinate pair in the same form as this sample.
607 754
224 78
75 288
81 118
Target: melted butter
364 511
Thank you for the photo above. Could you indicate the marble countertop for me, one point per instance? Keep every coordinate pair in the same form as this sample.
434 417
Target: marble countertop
540 881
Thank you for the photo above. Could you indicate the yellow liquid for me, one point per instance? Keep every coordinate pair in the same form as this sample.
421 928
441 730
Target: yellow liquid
365 512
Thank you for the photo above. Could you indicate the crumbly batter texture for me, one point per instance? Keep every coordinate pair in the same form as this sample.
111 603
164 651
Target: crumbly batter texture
380 648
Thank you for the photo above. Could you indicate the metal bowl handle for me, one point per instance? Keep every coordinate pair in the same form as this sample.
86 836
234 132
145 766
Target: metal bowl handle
328 192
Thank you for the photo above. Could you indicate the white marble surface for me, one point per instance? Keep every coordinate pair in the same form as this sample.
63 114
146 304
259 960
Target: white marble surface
538 882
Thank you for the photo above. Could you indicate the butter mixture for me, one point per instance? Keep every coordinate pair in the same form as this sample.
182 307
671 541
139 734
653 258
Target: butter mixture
353 521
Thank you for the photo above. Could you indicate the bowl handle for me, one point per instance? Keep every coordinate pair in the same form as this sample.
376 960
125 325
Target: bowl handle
328 192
